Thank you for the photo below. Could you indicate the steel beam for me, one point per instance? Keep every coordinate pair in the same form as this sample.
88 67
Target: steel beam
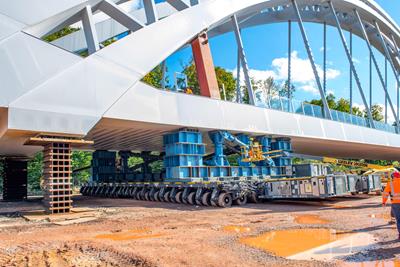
243 59
178 4
327 112
387 88
164 72
115 12
238 91
395 72
289 56
353 69
351 74
370 80
90 30
396 47
325 57
205 67
365 36
151 11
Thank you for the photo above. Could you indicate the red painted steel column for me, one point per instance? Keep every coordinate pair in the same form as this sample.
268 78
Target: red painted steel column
205 67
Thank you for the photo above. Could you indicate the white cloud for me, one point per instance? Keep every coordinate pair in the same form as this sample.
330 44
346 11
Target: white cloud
301 72
310 88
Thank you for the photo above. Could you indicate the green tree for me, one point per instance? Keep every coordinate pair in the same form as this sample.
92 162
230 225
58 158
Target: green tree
329 98
35 173
81 159
285 91
154 78
224 77
377 112
63 32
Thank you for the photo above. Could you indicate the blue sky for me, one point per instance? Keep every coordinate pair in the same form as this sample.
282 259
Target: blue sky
267 52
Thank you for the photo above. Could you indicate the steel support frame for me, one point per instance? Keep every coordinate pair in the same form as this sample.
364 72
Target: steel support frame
387 88
90 30
324 68
289 81
397 52
115 12
351 74
238 70
389 58
151 11
353 69
243 59
365 36
178 4
164 72
327 112
370 79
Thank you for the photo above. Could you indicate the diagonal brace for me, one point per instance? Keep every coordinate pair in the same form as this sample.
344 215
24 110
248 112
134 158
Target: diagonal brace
243 59
353 69
90 30
384 85
115 12
327 112
178 4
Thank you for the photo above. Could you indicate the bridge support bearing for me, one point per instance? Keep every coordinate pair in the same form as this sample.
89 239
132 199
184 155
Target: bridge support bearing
15 180
205 67
57 177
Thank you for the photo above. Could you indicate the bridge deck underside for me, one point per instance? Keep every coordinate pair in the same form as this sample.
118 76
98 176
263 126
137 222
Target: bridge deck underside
128 135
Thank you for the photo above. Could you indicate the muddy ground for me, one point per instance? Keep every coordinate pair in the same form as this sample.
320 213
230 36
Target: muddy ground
137 233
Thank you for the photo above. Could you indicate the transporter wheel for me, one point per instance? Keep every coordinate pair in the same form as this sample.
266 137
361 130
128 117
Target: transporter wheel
147 196
225 200
206 199
156 195
253 198
178 197
184 201
191 198
166 196
151 195
141 194
240 201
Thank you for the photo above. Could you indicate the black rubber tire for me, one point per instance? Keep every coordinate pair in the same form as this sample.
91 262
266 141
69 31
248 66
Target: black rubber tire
141 194
147 196
225 200
206 199
151 195
240 201
166 196
191 198
156 196
184 201
178 197
172 198
252 198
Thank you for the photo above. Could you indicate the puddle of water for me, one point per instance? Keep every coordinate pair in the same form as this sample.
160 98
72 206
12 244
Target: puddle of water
393 263
129 235
309 219
236 229
285 243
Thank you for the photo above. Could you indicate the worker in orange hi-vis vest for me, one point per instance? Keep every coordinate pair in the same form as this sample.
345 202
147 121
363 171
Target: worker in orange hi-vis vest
392 190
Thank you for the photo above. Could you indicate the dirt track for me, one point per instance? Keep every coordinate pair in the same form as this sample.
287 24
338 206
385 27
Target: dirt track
135 233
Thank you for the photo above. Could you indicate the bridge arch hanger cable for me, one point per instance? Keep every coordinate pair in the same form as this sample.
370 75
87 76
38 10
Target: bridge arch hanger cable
389 58
366 38
327 112
351 61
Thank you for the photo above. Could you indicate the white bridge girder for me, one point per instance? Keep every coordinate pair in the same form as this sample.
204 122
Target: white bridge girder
78 94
